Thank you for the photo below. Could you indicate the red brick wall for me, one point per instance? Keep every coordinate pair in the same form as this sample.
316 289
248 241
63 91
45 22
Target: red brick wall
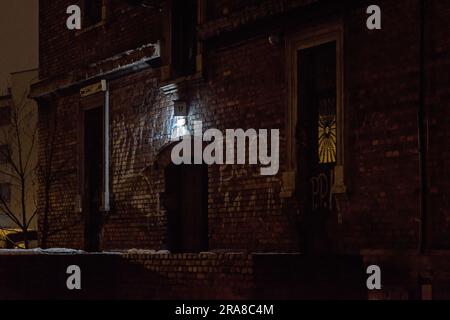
245 87
145 275
382 98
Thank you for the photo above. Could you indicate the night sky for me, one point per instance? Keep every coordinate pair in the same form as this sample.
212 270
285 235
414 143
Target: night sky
18 37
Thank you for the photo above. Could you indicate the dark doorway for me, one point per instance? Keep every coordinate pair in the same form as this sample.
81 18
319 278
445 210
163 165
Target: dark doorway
93 177
186 204
317 143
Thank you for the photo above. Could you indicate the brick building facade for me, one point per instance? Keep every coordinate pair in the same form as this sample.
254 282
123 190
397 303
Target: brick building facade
240 64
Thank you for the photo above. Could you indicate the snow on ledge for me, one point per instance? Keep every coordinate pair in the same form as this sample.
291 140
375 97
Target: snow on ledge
52 251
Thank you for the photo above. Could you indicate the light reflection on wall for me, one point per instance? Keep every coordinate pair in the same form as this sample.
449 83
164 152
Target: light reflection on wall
179 128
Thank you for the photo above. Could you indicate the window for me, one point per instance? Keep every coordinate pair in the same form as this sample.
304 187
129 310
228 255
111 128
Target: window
4 154
93 12
5 116
5 192
184 37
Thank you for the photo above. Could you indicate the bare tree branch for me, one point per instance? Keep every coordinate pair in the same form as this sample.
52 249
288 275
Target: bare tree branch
19 142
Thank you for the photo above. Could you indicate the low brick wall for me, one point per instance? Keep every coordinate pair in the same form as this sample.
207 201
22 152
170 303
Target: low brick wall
143 275
296 276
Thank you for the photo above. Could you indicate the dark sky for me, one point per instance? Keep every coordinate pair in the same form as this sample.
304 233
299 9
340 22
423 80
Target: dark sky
18 37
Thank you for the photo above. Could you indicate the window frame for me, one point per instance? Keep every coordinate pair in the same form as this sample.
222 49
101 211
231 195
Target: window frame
307 38
93 100
168 73
8 186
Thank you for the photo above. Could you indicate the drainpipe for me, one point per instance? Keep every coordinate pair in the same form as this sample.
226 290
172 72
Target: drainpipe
423 206
106 191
